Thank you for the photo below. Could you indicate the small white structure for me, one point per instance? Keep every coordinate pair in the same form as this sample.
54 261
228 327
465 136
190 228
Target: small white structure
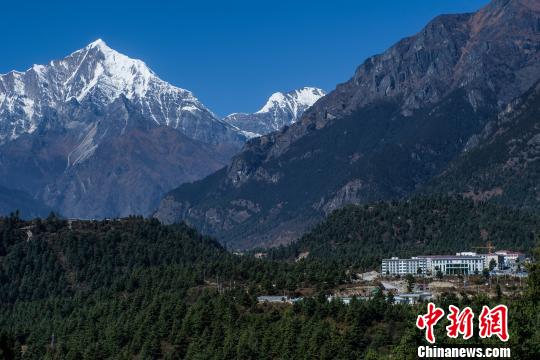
345 299
277 299
412 298
272 299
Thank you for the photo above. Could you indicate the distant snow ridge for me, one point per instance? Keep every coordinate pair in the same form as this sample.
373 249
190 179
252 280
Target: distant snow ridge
97 76
295 101
100 75
280 110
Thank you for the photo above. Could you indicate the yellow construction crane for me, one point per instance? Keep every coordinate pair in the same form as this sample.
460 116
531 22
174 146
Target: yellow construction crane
489 246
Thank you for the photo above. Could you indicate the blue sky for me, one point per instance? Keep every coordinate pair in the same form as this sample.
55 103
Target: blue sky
231 54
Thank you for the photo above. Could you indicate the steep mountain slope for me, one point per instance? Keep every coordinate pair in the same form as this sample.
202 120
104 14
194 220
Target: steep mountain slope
99 134
281 109
398 122
12 200
503 162
361 235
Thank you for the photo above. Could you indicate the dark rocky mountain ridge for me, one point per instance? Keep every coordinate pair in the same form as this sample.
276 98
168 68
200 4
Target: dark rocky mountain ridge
397 123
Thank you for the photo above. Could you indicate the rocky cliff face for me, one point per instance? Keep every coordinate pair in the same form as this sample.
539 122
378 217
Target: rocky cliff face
398 122
491 54
502 163
281 109
99 134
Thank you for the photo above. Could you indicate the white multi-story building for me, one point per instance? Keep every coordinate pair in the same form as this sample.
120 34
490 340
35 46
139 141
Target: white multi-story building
455 264
488 258
447 264
467 262
396 266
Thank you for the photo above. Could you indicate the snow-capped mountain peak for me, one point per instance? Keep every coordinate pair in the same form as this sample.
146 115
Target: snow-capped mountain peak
281 109
98 133
276 99
97 43
296 100
99 75
99 65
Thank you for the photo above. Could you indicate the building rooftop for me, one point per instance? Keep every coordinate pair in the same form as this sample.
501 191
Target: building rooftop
450 257
453 257
507 252
272 298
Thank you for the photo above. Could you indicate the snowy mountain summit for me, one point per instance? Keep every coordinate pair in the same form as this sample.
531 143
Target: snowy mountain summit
98 134
280 110
99 75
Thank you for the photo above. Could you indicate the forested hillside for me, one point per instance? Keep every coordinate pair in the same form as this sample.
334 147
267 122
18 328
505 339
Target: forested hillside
133 288
126 287
360 236
56 257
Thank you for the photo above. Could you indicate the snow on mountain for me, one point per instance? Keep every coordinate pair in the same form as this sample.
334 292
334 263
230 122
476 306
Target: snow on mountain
100 75
280 110
295 101
98 134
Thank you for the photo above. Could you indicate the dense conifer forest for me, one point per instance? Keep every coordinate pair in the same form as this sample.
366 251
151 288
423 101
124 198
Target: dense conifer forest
133 288
359 236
